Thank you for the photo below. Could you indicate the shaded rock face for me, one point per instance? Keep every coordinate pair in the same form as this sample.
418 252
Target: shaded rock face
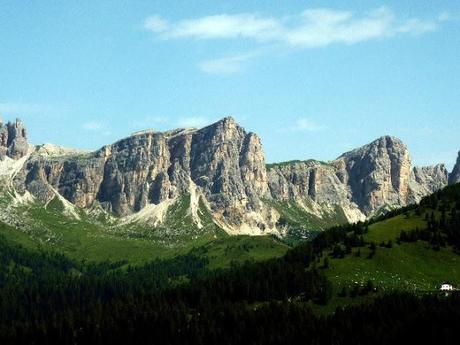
224 161
375 177
229 165
226 165
425 181
378 174
76 178
312 179
13 139
454 176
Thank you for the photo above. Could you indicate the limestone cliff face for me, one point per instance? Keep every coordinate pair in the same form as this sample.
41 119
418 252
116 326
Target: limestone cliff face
13 139
425 181
225 166
378 174
77 177
370 179
229 165
224 162
454 176
310 179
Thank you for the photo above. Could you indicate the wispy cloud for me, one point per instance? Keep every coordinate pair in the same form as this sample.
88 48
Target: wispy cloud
92 126
306 125
96 126
225 65
216 26
193 121
308 29
444 16
156 24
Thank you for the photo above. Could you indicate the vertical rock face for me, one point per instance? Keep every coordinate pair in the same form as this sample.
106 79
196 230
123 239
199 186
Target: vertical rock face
454 176
222 160
13 139
425 181
226 166
135 173
76 177
373 178
378 174
229 165
310 179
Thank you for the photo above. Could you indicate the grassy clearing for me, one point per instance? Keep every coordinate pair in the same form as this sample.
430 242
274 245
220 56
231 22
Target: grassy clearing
302 225
411 267
390 229
223 251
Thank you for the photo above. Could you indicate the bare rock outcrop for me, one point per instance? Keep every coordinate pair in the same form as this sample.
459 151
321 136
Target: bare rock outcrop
222 160
454 176
13 139
371 179
225 166
378 174
425 181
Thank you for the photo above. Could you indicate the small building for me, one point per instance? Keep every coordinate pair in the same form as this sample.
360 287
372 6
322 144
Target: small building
446 287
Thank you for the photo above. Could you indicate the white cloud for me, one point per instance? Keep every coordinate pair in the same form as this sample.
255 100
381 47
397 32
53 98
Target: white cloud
308 29
156 24
444 16
416 26
306 125
93 126
193 121
225 65
222 26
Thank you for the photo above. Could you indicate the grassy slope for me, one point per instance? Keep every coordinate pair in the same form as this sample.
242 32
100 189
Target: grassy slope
83 239
302 224
406 266
223 251
86 240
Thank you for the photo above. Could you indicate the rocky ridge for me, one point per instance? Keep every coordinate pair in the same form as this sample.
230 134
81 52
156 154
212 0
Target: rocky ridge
223 167
374 178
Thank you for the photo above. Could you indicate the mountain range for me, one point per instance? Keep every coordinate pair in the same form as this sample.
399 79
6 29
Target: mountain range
216 174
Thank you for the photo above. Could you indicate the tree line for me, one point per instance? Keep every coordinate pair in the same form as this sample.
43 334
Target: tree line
47 298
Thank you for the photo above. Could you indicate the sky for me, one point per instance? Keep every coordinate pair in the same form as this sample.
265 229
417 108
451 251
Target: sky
313 78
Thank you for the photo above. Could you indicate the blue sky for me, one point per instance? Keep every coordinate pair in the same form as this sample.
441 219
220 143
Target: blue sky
312 78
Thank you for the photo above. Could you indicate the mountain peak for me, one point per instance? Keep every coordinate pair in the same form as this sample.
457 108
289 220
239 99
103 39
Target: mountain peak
228 119
389 139
225 122
383 145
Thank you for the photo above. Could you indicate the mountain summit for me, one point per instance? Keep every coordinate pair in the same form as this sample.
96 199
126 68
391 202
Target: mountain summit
219 168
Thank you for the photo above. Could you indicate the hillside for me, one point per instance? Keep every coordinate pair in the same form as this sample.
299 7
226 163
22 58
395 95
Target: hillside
213 291
397 263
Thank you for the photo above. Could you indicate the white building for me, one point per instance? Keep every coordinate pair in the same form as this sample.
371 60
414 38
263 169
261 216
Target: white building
446 287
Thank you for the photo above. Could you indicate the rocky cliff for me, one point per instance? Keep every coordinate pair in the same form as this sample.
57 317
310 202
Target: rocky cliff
368 180
454 176
223 162
223 167
13 139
